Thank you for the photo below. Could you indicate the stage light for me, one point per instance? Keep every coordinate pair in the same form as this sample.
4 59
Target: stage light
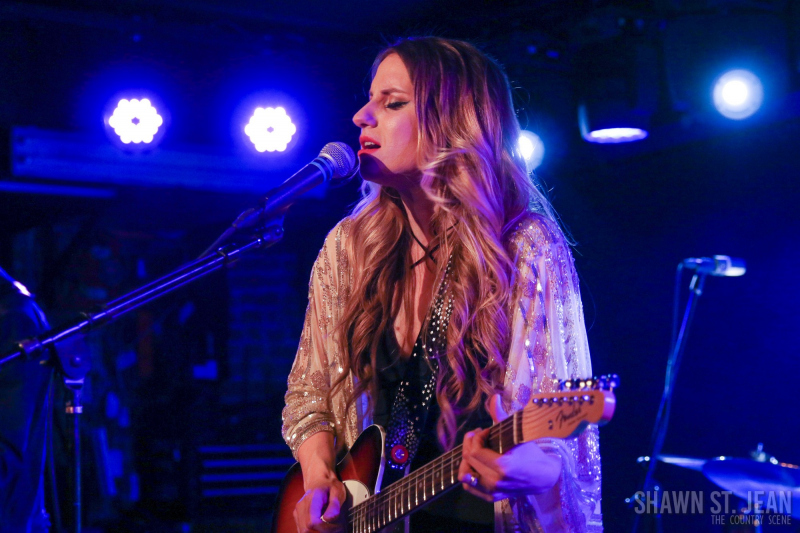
135 121
616 135
270 129
611 122
738 94
532 149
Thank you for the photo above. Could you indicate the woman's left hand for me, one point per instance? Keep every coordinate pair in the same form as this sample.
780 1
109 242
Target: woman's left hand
525 469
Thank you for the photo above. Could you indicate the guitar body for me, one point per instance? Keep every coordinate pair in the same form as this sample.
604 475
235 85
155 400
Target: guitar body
361 471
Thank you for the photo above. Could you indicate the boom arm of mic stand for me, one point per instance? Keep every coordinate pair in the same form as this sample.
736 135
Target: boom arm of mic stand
269 234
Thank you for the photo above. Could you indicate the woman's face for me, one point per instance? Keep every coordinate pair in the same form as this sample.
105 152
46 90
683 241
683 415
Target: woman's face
388 123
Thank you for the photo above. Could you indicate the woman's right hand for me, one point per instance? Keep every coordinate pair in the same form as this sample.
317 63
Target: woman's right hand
319 508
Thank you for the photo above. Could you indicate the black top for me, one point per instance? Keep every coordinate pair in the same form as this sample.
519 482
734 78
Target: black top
456 509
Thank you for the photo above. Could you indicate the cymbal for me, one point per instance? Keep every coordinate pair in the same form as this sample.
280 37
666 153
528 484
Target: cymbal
745 476
692 463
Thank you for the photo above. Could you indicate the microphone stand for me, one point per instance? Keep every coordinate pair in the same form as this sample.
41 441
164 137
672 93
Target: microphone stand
662 418
269 231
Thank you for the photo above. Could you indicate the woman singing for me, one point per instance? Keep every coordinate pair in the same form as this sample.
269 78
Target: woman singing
443 302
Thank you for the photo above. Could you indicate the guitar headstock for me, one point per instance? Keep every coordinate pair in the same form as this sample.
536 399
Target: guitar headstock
578 403
607 382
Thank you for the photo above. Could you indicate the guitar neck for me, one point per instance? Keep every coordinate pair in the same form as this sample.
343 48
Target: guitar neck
426 483
558 414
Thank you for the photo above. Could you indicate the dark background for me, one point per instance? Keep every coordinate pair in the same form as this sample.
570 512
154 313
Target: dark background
200 375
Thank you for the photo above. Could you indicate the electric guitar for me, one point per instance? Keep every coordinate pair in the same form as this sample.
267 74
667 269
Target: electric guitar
562 414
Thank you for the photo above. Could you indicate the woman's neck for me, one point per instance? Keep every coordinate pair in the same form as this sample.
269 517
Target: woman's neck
420 212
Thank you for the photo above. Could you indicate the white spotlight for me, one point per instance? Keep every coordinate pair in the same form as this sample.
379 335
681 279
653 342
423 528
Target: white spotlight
532 149
738 94
135 121
616 135
270 129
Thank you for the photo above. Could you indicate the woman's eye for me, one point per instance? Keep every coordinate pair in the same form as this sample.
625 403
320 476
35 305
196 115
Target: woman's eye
396 105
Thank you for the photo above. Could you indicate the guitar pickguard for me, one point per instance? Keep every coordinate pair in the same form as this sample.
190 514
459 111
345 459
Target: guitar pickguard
357 492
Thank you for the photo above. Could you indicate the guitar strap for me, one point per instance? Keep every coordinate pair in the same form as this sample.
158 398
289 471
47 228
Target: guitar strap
409 412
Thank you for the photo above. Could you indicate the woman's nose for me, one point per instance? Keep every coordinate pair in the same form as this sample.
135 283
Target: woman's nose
364 117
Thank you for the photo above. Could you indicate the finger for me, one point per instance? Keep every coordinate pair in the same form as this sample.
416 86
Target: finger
334 506
463 468
318 500
467 445
485 457
485 488
496 408
488 478
482 437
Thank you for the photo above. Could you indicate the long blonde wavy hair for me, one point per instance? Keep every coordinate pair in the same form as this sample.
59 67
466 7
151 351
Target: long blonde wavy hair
473 172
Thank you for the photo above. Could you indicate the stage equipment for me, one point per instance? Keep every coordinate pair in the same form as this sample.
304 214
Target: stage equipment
719 265
710 61
361 470
270 129
738 94
79 160
610 135
743 477
135 121
335 162
704 268
618 90
532 149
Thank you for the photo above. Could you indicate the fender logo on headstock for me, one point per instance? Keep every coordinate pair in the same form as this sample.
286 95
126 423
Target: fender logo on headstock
570 416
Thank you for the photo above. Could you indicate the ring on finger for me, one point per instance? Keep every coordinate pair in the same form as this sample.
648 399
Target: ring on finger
323 519
471 480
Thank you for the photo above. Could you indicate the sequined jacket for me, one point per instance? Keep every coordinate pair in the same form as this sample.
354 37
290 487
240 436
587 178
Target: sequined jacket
548 341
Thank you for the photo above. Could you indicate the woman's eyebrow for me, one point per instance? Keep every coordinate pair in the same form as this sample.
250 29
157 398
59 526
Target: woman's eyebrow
390 90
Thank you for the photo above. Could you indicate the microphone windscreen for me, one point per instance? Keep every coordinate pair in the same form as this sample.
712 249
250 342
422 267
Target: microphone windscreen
345 163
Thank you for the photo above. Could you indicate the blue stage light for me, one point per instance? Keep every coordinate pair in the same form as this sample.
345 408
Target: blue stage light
135 121
616 135
532 149
738 94
270 129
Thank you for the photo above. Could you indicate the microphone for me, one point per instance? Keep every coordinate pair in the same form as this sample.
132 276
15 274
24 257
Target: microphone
336 161
719 265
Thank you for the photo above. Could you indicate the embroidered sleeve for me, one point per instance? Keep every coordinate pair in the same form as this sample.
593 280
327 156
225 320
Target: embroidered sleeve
549 343
317 363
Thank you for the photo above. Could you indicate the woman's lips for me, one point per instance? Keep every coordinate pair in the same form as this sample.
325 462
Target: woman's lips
368 145
368 150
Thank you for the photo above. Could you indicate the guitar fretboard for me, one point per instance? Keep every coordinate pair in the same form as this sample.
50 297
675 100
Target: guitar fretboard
426 483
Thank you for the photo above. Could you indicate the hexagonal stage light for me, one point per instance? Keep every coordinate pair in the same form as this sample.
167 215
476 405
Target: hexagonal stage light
270 129
135 121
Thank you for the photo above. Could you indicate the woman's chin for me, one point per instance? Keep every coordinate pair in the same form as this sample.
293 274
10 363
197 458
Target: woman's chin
377 179
371 170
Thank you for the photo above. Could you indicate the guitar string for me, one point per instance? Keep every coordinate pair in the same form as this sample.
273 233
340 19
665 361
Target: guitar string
401 488
499 432
398 489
